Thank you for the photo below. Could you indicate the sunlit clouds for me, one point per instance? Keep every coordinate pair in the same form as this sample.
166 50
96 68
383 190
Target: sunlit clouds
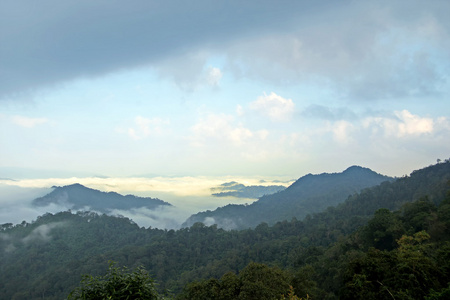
274 106
179 186
188 195
219 127
402 124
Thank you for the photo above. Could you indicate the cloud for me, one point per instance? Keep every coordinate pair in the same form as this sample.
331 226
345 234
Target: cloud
42 232
60 41
390 55
213 76
189 195
412 124
342 131
402 124
274 106
16 201
28 122
161 217
219 126
183 186
225 223
190 71
145 127
239 110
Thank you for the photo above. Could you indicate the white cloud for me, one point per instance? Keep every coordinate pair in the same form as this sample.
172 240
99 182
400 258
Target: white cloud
239 110
274 106
342 131
412 124
263 134
188 195
220 126
42 232
180 186
28 122
402 124
145 127
213 76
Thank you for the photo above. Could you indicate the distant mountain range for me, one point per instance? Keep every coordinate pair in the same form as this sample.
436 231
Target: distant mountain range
239 190
79 197
309 194
47 257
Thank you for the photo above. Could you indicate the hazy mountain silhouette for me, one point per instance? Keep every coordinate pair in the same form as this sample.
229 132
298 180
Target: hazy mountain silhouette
51 253
239 190
80 197
309 194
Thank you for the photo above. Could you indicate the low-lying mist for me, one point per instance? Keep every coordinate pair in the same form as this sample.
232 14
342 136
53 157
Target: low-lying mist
188 195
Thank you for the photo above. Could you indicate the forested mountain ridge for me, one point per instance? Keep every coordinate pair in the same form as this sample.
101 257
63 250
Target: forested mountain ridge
80 197
309 194
318 256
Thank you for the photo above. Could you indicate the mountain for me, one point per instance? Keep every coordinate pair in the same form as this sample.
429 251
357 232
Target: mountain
78 197
46 258
239 190
309 194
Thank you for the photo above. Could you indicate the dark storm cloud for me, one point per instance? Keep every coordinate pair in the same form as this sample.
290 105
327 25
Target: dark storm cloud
363 49
49 41
369 50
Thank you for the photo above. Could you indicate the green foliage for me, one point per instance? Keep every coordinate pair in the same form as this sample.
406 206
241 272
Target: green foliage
382 230
116 284
407 272
343 251
292 296
443 294
255 281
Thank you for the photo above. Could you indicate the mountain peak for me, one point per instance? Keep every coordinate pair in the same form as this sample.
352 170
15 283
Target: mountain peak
309 194
356 168
79 196
70 186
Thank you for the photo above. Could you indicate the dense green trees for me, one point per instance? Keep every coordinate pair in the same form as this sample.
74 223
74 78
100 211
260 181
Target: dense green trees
118 283
255 281
371 244
407 272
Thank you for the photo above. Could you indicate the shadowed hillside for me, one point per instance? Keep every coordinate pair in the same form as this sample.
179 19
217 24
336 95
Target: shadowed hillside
309 194
78 197
320 254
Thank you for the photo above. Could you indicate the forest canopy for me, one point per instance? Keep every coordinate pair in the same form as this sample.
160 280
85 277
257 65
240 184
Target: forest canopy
392 240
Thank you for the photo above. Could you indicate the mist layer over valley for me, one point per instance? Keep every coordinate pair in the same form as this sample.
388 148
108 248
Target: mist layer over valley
394 223
187 196
226 150
193 199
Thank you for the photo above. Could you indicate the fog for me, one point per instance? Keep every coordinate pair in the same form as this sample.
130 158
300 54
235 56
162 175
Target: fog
188 195
16 206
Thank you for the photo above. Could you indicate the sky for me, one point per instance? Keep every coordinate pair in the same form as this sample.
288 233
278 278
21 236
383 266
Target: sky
216 89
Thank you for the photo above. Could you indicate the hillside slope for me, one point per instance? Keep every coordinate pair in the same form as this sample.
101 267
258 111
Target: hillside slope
46 258
78 197
309 194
